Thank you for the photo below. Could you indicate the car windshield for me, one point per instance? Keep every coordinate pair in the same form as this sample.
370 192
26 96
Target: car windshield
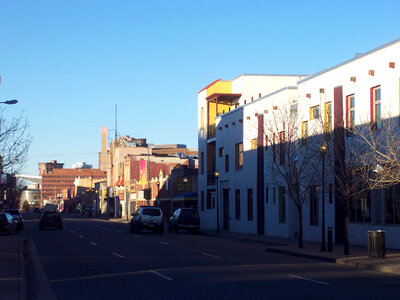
14 212
151 212
189 213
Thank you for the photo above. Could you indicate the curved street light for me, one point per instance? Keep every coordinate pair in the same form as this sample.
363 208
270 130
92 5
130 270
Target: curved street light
10 102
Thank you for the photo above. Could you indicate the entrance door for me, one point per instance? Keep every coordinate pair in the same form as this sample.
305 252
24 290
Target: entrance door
226 208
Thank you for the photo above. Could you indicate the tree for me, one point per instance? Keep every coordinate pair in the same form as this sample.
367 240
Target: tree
293 156
14 142
25 205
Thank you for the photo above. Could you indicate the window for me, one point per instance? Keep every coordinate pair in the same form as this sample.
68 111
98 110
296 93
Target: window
202 200
282 147
202 163
361 210
221 152
282 205
253 144
330 193
226 163
237 204
350 122
392 205
376 107
328 117
274 194
304 132
202 118
314 112
239 156
209 199
250 204
314 210
274 147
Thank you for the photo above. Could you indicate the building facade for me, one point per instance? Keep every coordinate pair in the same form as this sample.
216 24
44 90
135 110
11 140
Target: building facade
236 139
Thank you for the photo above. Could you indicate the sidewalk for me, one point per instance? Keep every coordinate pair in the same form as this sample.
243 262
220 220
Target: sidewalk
12 284
358 254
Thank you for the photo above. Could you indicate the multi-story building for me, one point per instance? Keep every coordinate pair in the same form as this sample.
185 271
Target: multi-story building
236 140
60 183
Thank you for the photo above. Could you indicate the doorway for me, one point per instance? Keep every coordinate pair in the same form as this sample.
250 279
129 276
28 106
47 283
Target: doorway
225 193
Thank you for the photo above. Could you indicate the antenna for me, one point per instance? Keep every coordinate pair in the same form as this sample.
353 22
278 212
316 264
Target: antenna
116 132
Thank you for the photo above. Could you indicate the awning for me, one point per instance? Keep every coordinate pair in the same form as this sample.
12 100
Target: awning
189 196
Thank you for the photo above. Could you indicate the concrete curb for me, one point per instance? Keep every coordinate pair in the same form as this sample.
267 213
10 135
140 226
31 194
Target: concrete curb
44 289
303 255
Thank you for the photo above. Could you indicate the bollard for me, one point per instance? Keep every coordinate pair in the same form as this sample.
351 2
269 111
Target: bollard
329 239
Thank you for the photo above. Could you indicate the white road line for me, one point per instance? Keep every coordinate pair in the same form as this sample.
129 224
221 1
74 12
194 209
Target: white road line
106 228
119 255
81 236
136 236
72 231
93 243
164 243
316 281
119 231
210 255
161 275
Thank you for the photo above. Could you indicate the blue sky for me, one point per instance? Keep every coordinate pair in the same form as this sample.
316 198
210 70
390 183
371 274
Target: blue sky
70 62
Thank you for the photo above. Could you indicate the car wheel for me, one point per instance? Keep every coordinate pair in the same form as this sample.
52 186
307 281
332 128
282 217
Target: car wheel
132 230
169 228
161 229
60 227
40 227
175 228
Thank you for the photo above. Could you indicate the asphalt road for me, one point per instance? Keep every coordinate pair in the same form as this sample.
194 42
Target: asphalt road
97 259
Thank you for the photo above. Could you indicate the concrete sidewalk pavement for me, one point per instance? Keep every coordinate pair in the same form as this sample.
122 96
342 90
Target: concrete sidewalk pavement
358 254
12 279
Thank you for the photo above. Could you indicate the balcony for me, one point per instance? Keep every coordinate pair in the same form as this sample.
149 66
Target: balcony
211 131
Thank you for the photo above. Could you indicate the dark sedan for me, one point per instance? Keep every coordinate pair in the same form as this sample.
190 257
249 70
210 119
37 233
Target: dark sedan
50 219
184 218
16 214
8 224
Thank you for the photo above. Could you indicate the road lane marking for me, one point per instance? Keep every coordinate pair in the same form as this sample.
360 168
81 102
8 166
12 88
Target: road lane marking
106 228
164 243
210 255
161 275
136 236
119 231
93 243
72 231
117 254
307 279
81 236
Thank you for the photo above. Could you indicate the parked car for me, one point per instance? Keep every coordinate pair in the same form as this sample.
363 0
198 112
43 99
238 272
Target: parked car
8 223
184 218
50 219
147 217
16 214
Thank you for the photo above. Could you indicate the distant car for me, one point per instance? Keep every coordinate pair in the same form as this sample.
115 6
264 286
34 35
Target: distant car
184 218
8 223
147 217
50 219
16 214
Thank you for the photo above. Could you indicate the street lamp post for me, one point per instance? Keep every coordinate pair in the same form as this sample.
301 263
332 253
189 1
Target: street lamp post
217 178
323 150
185 180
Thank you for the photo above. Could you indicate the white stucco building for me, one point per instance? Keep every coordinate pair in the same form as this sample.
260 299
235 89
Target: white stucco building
234 139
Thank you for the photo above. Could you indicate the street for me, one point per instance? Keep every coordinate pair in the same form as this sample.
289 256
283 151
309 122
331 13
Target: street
99 259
